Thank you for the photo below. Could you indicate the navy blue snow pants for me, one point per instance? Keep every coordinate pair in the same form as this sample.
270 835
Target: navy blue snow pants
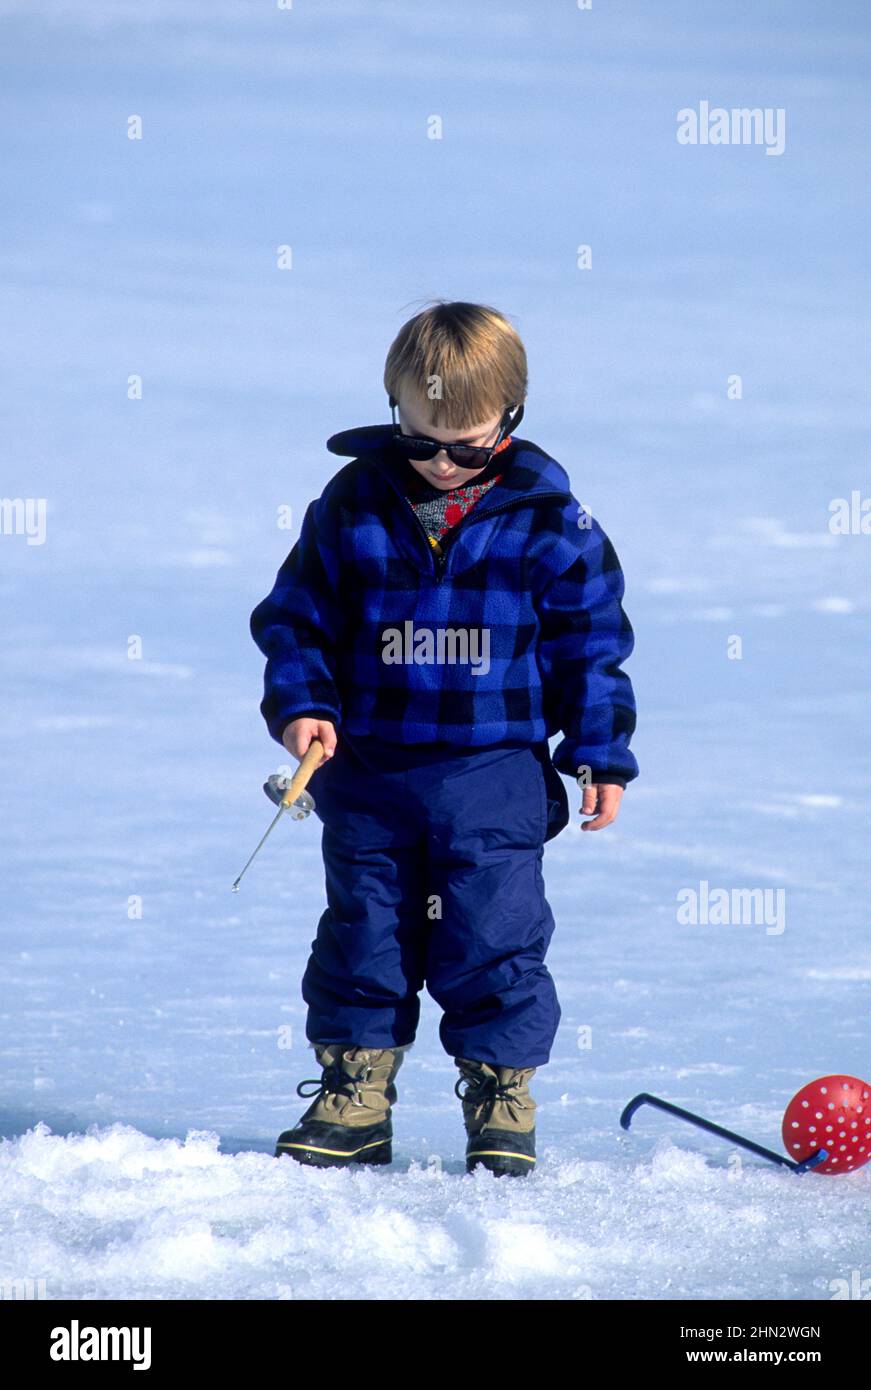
433 877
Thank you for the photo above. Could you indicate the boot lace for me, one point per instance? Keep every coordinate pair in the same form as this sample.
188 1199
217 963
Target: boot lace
334 1081
487 1090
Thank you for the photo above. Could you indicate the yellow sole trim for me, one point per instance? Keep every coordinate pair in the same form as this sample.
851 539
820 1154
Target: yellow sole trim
339 1153
496 1153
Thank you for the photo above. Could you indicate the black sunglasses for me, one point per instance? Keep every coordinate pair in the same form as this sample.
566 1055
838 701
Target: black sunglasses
419 447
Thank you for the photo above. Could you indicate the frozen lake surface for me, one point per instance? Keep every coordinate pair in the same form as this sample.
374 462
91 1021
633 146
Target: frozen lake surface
150 1061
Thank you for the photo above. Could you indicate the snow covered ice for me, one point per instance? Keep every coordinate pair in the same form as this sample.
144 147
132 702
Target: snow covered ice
149 1062
117 1214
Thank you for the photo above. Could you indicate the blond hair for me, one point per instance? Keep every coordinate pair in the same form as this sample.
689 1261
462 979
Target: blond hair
462 363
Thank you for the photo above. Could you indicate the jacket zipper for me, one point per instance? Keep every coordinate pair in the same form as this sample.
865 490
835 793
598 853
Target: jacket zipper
438 565
475 515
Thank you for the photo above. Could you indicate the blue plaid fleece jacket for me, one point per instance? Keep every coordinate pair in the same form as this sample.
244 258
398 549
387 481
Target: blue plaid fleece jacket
515 633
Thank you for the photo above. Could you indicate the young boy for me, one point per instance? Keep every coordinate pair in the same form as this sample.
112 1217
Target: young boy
447 607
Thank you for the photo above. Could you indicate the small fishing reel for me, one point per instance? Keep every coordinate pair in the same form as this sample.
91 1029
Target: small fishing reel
275 787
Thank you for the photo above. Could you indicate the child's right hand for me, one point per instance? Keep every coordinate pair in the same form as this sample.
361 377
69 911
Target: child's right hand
300 732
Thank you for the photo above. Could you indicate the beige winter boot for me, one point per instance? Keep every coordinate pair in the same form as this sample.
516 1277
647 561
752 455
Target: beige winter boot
349 1121
499 1114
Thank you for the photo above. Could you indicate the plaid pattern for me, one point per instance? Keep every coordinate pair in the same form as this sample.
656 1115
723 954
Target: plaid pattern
547 591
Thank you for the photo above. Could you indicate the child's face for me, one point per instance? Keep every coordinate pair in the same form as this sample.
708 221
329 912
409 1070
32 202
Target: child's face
439 470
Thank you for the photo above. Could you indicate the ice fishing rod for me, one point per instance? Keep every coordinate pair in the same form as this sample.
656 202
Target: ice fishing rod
821 1155
294 799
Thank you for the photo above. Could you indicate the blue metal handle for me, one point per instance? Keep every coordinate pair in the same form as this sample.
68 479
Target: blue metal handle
644 1099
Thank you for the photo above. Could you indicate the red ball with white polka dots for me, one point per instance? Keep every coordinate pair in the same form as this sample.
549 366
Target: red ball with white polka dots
831 1113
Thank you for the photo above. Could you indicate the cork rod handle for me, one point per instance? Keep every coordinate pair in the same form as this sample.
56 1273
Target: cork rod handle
301 777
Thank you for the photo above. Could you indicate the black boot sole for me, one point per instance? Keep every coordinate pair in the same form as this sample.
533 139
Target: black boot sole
503 1153
321 1145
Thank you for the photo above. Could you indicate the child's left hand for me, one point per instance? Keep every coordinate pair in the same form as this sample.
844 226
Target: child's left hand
601 799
